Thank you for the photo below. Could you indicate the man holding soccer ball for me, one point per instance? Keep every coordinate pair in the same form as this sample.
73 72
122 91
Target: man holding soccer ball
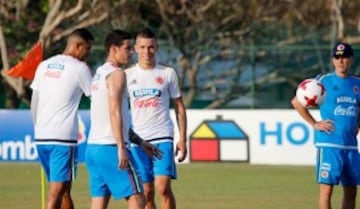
338 159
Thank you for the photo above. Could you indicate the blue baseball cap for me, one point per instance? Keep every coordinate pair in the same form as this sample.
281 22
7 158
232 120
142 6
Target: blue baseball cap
343 49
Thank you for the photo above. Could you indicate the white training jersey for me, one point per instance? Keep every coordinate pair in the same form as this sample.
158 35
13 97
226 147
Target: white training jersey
150 91
100 130
60 82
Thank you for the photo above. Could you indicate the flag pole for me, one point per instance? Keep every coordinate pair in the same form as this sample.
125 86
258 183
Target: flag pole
43 188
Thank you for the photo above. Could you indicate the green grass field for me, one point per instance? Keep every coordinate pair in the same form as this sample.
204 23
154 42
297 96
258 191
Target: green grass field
199 186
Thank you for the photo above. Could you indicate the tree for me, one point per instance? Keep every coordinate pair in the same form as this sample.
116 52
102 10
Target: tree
205 32
52 20
224 50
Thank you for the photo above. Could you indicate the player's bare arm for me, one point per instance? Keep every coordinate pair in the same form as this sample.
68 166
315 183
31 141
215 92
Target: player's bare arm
323 125
304 112
180 112
116 84
34 104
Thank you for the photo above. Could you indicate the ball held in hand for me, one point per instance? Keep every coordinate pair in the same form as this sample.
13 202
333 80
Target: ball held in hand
310 93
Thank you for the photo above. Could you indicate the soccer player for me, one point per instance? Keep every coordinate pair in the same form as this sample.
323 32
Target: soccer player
57 88
151 86
338 159
111 168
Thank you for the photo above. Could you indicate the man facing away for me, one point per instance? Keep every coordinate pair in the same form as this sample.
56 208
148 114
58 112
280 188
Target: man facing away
57 88
338 159
151 86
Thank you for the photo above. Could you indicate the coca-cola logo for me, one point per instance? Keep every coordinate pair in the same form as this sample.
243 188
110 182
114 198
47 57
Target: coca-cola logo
145 103
53 74
345 111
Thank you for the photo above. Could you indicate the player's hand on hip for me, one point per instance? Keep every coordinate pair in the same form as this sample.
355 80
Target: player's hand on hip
325 125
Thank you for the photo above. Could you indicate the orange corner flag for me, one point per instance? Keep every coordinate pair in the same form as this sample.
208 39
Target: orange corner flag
27 66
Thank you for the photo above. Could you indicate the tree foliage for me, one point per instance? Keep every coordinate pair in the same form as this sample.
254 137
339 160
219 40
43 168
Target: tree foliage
223 49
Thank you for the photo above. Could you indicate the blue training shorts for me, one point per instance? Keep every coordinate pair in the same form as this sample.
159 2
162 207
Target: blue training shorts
154 167
105 176
58 161
338 165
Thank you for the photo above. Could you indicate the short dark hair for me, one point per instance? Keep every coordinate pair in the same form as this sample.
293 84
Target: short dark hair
84 34
116 37
146 33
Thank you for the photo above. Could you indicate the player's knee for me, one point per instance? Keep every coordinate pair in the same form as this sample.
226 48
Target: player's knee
149 196
164 190
149 192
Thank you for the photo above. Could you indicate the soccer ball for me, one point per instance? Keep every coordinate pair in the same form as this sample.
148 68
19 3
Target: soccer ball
310 93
